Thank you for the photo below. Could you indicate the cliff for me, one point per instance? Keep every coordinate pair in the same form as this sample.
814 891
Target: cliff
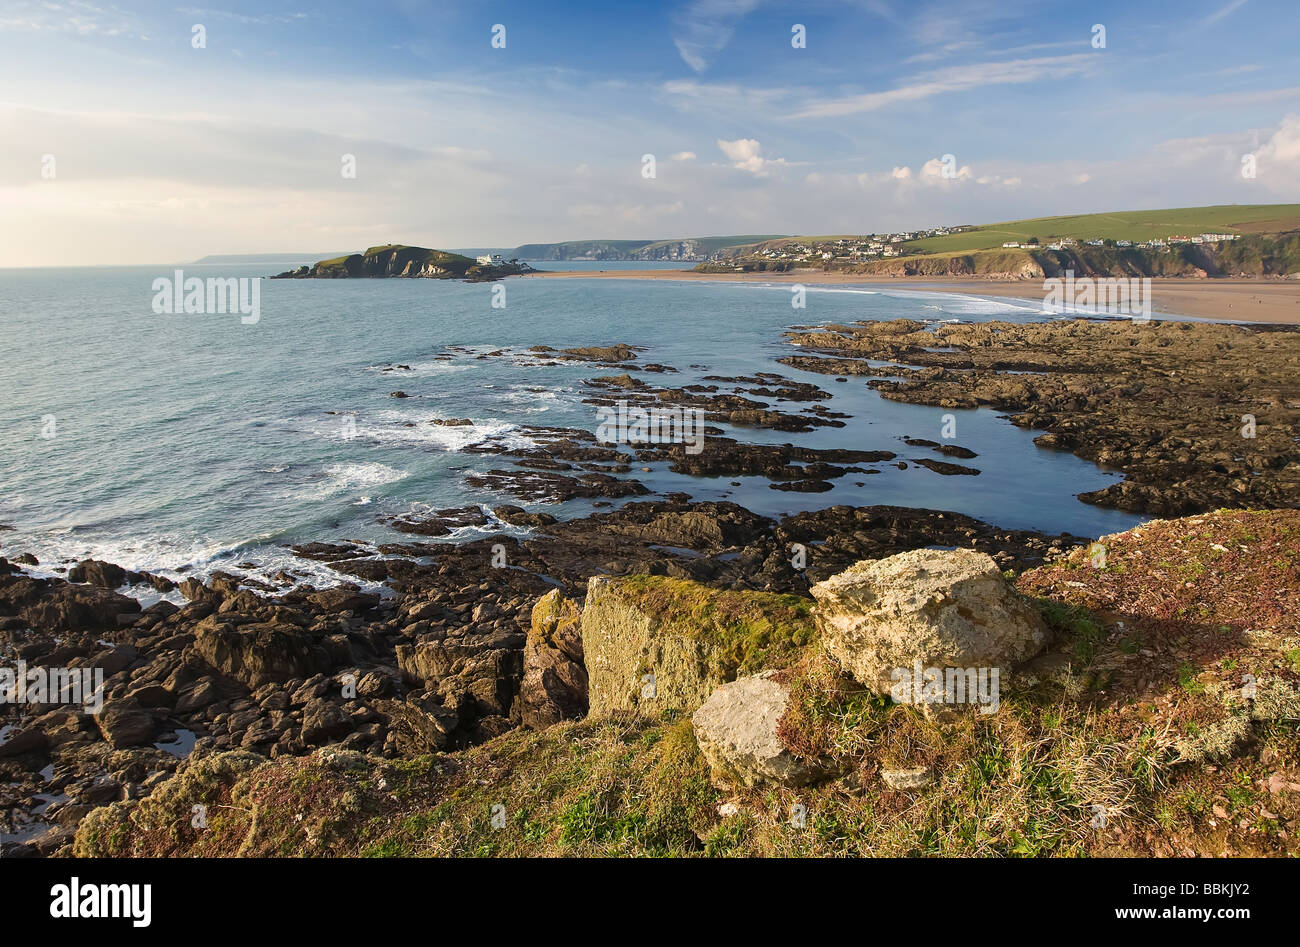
1254 255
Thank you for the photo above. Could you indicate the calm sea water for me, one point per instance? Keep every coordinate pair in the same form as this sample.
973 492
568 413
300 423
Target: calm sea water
196 442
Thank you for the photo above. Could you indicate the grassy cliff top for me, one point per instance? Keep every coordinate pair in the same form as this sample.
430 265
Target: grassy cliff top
1135 225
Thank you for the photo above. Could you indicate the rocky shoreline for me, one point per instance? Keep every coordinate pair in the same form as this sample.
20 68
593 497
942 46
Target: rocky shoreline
438 665
449 655
1197 416
662 716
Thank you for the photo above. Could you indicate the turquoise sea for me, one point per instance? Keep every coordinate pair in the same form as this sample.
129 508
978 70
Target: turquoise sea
196 442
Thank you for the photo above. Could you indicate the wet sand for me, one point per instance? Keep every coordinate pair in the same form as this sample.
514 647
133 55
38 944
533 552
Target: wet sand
1275 301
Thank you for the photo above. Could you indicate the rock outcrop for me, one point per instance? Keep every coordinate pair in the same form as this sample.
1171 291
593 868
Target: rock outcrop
554 686
655 644
942 608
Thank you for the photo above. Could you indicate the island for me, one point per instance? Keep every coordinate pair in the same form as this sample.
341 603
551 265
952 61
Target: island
399 260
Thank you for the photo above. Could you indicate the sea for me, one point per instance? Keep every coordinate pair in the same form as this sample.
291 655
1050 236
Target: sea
189 443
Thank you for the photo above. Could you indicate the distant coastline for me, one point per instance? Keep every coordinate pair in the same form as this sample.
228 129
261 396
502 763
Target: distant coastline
1273 301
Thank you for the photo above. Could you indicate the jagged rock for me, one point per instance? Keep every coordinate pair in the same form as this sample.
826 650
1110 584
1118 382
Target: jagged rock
78 608
736 730
414 730
343 598
64 725
554 685
258 653
106 575
23 741
201 695
323 721
124 725
943 608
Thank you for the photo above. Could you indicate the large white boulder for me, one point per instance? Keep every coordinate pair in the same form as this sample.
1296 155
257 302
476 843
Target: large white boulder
926 609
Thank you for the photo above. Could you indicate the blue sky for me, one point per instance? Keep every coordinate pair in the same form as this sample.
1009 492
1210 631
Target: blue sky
163 151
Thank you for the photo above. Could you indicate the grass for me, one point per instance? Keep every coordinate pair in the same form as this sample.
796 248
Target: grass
453 262
1125 225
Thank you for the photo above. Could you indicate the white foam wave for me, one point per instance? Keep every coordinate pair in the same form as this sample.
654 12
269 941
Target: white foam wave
342 477
393 427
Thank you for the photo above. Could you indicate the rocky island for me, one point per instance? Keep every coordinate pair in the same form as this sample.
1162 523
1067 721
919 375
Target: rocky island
399 260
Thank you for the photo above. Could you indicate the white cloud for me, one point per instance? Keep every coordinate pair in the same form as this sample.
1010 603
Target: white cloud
1279 158
684 156
747 155
934 172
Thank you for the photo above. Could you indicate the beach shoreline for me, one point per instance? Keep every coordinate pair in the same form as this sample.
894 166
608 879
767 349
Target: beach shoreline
1262 301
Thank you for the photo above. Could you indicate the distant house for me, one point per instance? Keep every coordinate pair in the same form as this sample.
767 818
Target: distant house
1123 243
491 259
1095 243
1011 245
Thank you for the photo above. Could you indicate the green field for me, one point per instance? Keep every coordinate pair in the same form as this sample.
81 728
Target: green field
1125 225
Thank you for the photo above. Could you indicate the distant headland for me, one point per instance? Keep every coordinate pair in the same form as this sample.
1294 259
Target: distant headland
398 260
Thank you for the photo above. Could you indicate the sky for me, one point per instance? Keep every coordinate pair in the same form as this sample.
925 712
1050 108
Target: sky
124 139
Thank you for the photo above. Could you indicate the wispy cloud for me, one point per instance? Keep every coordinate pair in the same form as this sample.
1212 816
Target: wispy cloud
1219 14
705 27
955 79
72 16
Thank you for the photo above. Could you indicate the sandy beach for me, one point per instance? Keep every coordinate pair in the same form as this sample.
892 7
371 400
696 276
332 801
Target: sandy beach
1243 300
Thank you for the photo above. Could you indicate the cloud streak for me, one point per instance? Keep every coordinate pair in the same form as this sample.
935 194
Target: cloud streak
955 79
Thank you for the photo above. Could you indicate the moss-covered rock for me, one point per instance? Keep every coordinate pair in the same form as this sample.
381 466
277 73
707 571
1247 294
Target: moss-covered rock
654 643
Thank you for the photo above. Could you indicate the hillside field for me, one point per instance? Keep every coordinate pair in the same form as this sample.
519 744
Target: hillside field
1127 225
